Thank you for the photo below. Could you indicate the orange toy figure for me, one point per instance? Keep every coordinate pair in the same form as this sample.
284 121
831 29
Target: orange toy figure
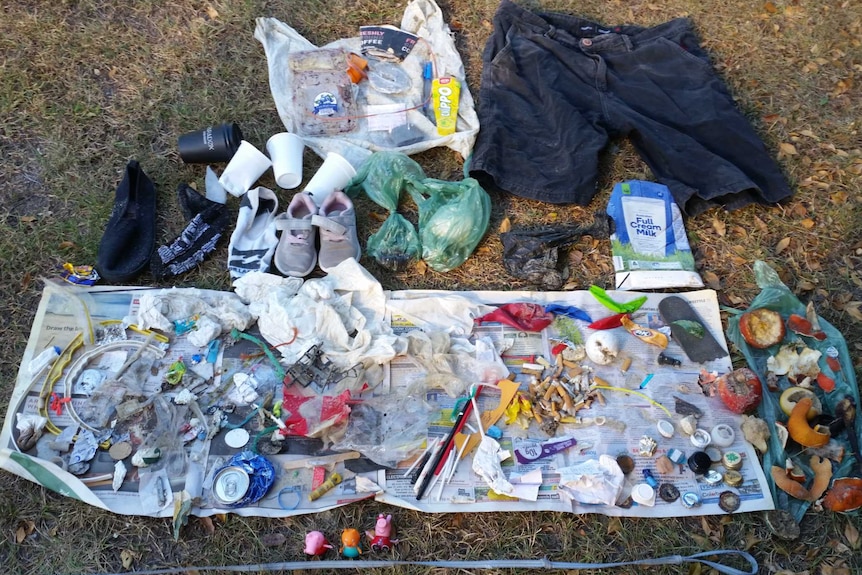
350 543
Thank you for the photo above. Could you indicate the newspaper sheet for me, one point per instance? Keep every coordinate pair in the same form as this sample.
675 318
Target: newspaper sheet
188 461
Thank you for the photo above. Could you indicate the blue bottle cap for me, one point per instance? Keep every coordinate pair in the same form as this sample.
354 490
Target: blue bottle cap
690 499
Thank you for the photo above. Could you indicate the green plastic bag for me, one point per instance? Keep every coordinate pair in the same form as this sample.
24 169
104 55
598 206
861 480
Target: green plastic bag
453 218
382 177
776 296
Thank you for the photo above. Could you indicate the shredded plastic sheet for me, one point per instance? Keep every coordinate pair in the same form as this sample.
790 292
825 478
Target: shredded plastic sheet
776 296
387 429
422 18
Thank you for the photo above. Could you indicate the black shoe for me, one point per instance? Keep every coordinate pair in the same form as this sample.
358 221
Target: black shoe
130 234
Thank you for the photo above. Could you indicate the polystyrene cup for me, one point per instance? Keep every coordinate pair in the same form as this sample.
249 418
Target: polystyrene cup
244 169
334 174
285 151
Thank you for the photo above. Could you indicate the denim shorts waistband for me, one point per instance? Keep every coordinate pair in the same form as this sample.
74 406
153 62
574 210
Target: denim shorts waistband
574 28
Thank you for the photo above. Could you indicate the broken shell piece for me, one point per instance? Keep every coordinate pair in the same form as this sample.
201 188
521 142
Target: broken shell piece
822 469
788 485
119 475
688 424
664 465
602 347
801 432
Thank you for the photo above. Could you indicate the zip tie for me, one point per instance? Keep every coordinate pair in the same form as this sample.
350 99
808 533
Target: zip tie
506 564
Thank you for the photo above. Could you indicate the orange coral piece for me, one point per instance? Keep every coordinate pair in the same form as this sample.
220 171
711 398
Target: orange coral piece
798 427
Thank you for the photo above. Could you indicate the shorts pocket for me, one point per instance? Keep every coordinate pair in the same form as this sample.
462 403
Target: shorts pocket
678 50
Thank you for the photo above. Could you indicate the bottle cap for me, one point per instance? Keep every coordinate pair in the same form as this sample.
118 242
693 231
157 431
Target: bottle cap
690 499
731 460
699 462
733 478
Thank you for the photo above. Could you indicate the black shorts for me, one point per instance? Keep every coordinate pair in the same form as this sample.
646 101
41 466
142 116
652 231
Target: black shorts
555 88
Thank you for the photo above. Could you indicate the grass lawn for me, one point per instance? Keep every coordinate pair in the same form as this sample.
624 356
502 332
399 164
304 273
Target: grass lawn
85 85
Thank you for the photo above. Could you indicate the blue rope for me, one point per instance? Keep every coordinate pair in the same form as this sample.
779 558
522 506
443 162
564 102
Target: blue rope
543 563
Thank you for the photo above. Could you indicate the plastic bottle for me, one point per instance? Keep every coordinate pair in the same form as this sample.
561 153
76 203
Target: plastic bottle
43 360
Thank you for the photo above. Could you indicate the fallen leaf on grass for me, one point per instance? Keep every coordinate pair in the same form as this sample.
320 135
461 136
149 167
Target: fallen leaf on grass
782 245
376 216
27 219
770 7
702 542
807 223
852 536
67 245
505 225
273 539
614 525
212 12
128 557
695 569
761 225
705 524
421 267
786 149
751 539
852 309
719 226
712 280
25 528
207 524
806 285
25 281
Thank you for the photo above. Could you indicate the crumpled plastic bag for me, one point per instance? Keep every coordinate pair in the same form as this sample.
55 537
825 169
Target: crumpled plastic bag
387 429
593 481
533 254
776 296
453 219
382 177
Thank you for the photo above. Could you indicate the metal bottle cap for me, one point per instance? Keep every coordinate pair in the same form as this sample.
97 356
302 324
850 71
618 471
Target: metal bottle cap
732 460
690 499
733 478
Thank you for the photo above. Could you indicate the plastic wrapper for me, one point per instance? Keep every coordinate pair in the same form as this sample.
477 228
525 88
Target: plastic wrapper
776 296
387 429
449 365
453 219
533 254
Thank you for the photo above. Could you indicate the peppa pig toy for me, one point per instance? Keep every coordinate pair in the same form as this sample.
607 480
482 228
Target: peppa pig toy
350 543
380 537
316 544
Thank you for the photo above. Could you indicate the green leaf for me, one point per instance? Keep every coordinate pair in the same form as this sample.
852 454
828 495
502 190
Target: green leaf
692 328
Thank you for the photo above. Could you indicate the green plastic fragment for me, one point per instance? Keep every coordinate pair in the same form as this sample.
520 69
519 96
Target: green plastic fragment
628 307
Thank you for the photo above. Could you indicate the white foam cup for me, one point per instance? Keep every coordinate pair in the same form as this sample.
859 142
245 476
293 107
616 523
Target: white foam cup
244 169
285 151
334 174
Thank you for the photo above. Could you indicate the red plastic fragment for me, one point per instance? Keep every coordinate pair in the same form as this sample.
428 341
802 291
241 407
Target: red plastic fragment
609 322
523 316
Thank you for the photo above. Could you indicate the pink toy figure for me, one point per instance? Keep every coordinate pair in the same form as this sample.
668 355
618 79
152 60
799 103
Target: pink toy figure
316 544
380 540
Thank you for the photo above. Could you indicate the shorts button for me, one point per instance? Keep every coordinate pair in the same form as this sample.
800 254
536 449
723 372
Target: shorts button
587 42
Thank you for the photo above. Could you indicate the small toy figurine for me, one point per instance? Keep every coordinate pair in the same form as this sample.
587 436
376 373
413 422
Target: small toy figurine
316 544
350 543
380 540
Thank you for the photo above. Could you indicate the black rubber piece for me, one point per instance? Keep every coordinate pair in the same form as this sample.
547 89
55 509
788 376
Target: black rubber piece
130 234
699 350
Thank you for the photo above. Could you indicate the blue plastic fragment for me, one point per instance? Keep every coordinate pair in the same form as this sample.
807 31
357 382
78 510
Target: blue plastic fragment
212 351
568 311
494 432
